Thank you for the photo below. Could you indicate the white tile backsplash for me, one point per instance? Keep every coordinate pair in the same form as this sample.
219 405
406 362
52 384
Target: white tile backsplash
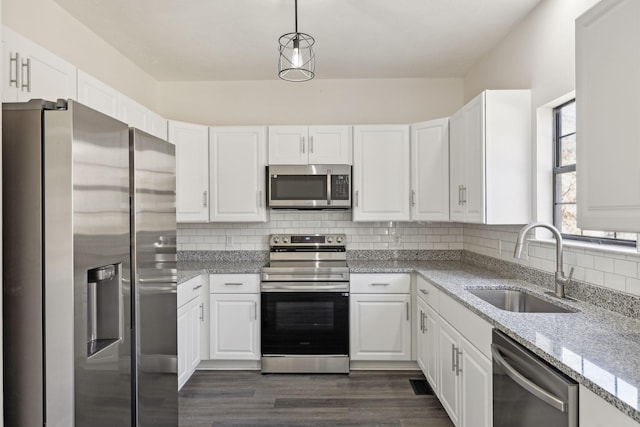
360 235
615 269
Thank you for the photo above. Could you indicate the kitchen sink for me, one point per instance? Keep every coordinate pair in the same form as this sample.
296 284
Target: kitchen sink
518 301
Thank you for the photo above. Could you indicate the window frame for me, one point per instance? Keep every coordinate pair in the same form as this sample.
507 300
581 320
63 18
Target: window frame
557 196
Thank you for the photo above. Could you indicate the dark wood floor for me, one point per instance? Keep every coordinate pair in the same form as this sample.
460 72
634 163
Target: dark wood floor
362 398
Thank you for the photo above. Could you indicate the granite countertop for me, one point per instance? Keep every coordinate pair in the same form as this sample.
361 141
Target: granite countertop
598 348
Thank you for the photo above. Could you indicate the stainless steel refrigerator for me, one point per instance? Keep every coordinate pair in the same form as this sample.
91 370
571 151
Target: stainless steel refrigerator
89 302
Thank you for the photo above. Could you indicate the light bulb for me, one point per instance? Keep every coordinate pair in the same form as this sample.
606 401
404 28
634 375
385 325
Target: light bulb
296 57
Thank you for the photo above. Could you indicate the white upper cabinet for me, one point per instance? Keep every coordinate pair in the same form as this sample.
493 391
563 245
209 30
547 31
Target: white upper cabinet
430 171
158 126
237 174
134 114
607 111
381 178
490 159
31 71
98 95
192 170
301 145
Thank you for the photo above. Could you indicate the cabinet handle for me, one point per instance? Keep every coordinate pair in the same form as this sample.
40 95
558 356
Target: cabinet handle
233 284
202 312
26 64
195 288
458 368
13 68
204 198
464 194
259 198
302 144
421 321
255 310
453 357
311 145
407 304
424 292
412 198
459 195
380 284
355 202
426 325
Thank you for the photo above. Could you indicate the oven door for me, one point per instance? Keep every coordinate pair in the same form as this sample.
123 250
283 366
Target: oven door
305 323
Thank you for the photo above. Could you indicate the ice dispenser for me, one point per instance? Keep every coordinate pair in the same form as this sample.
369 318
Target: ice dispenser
104 307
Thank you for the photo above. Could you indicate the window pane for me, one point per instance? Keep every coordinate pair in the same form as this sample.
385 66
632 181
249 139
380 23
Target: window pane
568 120
567 185
567 150
568 214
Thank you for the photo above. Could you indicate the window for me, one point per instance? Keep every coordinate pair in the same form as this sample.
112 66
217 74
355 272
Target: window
564 182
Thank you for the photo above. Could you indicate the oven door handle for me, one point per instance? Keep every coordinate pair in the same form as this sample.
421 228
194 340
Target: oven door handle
265 287
525 383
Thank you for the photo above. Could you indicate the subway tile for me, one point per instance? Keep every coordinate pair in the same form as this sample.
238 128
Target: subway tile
625 268
615 281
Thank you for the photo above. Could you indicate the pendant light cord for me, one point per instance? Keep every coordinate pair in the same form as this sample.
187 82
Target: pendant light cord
296 9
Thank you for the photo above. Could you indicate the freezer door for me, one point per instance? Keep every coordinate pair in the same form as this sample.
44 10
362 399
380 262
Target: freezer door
154 271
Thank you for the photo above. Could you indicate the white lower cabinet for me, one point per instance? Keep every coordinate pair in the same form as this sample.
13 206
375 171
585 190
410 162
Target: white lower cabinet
234 317
421 338
380 317
189 329
594 411
455 356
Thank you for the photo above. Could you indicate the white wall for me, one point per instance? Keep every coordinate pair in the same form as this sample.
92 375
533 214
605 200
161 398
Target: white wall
539 53
271 102
47 24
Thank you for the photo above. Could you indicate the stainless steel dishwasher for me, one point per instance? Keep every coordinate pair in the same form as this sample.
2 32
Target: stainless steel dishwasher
527 392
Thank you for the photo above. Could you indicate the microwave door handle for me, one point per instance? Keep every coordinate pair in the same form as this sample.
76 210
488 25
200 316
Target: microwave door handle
328 187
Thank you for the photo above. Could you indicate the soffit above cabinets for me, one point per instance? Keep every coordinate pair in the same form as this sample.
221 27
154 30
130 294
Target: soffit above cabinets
201 40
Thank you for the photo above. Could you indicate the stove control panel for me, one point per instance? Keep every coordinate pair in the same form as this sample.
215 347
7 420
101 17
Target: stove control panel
315 240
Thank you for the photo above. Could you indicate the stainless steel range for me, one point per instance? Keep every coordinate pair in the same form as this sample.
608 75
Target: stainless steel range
305 305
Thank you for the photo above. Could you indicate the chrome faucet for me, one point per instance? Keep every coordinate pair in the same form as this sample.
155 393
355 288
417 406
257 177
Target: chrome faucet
561 280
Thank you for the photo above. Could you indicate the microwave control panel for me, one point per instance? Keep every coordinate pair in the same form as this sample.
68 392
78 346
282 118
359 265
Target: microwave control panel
340 189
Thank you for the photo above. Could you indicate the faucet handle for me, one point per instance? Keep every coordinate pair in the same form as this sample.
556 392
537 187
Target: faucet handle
570 275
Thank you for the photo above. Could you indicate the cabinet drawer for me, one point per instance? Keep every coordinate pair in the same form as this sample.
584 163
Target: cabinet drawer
234 283
428 292
189 290
396 283
475 329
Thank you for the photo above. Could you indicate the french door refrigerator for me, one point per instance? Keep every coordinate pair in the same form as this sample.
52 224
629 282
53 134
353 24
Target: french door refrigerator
89 265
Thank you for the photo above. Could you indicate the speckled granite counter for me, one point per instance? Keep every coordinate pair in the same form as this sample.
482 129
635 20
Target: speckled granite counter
190 269
598 348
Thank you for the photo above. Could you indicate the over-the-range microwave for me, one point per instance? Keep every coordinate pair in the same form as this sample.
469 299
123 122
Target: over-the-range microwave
309 186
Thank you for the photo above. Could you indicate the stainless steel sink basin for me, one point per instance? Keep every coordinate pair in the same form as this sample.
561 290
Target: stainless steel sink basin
518 301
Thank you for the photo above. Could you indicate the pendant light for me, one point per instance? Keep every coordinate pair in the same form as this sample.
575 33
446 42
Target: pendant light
297 61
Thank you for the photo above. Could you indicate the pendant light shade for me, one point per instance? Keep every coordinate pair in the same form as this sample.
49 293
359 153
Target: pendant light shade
297 62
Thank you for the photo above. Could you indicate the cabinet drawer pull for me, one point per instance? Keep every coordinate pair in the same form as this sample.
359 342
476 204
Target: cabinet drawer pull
233 284
380 284
424 292
195 288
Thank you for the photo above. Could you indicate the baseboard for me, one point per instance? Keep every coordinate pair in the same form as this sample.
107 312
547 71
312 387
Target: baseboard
229 365
375 365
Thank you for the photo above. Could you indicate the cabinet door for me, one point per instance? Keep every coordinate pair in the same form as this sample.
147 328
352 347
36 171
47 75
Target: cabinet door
237 171
430 171
196 316
184 337
380 327
432 360
594 411
474 164
34 72
457 173
330 145
476 400
192 171
134 114
421 331
97 95
607 84
235 330
449 385
381 173
288 145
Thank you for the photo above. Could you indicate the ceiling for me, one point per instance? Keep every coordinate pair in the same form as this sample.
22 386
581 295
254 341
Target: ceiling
200 40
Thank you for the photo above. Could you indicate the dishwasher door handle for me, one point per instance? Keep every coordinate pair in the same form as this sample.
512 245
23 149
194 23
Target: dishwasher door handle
525 383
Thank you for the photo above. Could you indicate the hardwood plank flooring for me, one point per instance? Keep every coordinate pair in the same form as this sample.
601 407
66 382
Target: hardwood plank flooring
362 398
